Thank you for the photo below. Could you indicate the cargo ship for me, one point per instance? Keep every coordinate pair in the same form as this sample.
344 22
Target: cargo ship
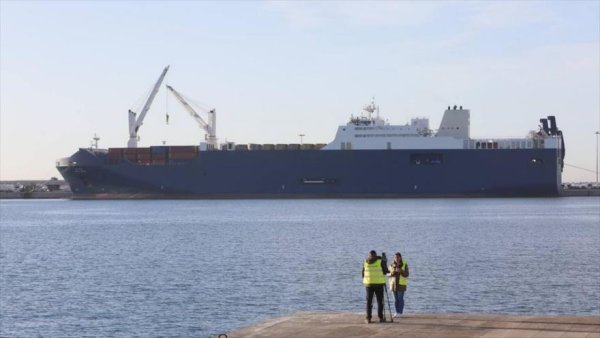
368 158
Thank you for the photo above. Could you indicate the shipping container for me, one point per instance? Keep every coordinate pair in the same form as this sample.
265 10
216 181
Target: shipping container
115 153
182 156
268 146
293 146
130 154
281 146
159 150
254 146
241 147
307 146
183 149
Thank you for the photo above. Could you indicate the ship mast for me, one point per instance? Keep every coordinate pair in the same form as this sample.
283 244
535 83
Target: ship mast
94 142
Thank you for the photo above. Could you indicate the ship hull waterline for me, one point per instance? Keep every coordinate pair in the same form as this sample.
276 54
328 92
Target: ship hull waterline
318 174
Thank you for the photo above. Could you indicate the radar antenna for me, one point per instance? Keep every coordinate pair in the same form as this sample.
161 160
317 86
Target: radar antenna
371 108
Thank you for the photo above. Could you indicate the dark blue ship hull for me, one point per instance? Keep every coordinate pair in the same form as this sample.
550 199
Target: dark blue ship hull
319 174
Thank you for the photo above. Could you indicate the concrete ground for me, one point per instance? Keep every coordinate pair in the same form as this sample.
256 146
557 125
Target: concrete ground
332 325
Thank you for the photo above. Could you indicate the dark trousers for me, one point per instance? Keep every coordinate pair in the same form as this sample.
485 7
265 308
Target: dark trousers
378 291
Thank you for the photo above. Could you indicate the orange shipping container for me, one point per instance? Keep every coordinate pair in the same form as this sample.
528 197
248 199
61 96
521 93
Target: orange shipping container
183 149
115 153
182 156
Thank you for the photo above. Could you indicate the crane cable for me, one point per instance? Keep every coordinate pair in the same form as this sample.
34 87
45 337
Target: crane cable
580 168
167 100
201 106
166 110
137 106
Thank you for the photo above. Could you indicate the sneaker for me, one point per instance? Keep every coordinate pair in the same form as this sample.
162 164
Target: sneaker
382 320
397 315
367 321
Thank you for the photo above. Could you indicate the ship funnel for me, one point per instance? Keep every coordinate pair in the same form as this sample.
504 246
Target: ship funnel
545 125
553 129
455 123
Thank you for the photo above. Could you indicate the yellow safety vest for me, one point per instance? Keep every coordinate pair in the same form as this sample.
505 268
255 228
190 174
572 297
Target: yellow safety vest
403 280
373 273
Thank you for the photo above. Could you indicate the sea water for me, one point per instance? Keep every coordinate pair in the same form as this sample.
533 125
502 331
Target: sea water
202 267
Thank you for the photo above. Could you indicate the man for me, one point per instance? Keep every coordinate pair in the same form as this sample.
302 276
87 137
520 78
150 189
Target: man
398 282
373 273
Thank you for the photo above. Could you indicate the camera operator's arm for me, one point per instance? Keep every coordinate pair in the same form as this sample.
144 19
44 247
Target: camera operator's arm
384 267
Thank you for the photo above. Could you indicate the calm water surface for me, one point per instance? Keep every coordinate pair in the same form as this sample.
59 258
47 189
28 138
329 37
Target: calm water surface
199 268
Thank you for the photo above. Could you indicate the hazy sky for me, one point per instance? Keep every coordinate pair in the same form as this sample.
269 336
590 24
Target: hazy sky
274 70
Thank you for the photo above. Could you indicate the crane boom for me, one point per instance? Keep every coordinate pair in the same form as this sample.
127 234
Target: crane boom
209 127
135 124
189 108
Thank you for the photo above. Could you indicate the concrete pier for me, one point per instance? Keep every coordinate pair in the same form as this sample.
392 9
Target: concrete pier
331 325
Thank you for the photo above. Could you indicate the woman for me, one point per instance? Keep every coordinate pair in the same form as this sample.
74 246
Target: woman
398 282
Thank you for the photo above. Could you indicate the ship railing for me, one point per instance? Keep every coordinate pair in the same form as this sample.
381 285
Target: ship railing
270 146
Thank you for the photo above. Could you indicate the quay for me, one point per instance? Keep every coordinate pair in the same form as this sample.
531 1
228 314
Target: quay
341 325
35 195
580 192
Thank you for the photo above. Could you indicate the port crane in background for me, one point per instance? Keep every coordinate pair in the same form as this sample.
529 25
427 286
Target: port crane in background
210 128
135 124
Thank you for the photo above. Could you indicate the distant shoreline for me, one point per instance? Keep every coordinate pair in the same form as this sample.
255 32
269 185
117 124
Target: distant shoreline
36 195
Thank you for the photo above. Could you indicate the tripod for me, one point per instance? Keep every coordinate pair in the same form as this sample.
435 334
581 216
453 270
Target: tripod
384 259
389 307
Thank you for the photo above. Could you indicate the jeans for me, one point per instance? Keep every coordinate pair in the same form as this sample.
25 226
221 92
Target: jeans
399 301
378 291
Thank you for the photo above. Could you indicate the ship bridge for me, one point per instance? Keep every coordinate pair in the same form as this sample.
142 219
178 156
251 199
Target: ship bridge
373 132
